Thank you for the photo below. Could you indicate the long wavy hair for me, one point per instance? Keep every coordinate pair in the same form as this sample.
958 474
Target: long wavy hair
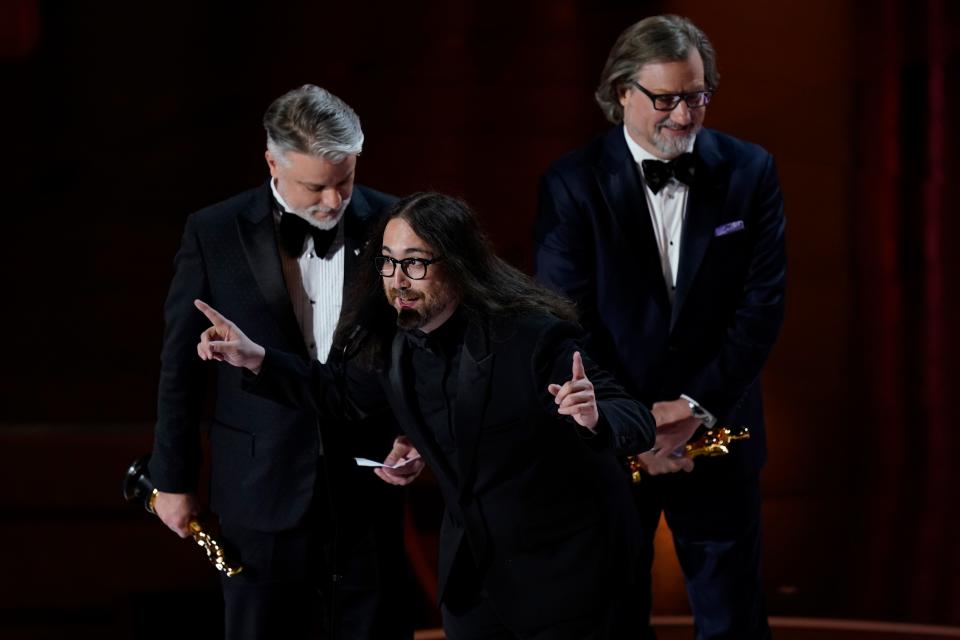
488 287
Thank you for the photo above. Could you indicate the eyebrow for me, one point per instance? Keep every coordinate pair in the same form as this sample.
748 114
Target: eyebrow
317 185
408 250
680 93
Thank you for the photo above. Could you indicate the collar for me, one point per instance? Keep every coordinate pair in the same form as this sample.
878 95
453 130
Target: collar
444 340
284 207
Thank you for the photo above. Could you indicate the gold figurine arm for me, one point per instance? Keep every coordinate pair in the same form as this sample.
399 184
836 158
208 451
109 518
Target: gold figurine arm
208 543
214 550
713 442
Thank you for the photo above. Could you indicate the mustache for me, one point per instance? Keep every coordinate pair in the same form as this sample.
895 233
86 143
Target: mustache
674 126
404 294
319 208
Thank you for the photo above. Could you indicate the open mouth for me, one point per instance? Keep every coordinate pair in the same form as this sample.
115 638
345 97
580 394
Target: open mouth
405 298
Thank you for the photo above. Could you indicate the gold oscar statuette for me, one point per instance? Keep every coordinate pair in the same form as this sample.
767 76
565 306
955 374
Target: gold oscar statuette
713 442
138 486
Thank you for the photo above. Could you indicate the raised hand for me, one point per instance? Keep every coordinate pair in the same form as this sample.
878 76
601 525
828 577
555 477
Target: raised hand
576 398
224 341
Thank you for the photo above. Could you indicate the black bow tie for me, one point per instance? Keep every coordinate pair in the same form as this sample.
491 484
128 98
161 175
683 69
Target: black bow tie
658 173
294 230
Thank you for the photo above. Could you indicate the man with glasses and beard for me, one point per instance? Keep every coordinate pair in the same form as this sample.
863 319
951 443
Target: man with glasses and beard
320 541
670 240
482 370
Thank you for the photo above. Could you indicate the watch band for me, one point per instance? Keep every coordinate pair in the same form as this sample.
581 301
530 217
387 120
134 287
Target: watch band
706 418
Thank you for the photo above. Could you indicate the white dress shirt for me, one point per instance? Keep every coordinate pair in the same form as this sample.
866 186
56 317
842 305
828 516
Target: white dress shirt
667 211
315 285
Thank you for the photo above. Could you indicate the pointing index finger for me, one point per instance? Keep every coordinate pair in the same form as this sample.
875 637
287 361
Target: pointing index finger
578 372
212 314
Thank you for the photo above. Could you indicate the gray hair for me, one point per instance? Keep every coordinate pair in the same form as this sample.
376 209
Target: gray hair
665 38
313 121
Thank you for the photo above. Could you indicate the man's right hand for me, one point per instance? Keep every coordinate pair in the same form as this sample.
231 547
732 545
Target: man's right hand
658 465
224 341
176 510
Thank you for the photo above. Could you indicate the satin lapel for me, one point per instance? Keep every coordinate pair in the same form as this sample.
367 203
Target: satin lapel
704 208
619 180
401 388
354 236
256 229
473 384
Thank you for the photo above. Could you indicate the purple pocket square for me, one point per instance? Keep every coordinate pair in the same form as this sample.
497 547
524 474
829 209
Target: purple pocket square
730 227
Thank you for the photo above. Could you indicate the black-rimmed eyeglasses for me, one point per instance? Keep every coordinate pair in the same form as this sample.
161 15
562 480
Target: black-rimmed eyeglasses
669 101
413 268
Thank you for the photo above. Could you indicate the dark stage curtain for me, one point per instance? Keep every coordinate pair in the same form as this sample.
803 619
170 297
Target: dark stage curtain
905 225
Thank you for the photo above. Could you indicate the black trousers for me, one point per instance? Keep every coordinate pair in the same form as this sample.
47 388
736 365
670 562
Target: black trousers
715 520
481 622
469 614
346 580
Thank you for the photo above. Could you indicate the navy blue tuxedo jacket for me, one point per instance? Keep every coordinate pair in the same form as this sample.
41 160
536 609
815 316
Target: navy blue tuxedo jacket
595 243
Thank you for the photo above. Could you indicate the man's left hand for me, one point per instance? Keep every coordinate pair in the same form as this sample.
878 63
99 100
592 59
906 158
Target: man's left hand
675 426
405 454
576 397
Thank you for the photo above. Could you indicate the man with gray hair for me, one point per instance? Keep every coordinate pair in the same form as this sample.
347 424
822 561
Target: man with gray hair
319 541
670 239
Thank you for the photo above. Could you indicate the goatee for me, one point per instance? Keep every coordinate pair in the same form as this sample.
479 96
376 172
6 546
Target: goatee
408 319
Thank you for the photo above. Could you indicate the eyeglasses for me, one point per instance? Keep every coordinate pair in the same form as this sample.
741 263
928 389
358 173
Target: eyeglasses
413 268
669 101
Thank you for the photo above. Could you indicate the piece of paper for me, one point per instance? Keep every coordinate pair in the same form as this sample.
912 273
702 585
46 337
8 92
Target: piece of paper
366 462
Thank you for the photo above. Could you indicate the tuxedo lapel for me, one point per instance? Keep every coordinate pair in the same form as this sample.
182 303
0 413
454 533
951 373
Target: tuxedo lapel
354 236
473 383
619 180
704 208
255 227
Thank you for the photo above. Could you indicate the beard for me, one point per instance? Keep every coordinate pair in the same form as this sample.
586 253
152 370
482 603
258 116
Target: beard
428 309
672 146
327 223
409 319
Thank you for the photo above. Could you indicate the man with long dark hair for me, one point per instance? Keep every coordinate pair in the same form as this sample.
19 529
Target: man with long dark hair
481 367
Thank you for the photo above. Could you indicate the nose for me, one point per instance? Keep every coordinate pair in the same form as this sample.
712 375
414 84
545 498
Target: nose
331 198
681 114
400 279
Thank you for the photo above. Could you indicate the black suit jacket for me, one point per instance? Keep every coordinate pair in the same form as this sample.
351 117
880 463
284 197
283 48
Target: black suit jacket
264 454
540 505
595 243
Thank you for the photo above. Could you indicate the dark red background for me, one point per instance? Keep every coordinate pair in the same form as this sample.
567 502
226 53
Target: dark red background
121 119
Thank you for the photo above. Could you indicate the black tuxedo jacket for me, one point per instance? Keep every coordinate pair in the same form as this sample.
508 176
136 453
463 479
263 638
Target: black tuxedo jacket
264 454
540 505
595 243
